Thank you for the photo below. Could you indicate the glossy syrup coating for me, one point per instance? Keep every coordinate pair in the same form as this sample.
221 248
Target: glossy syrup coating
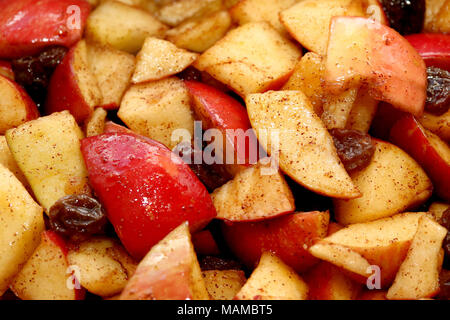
438 91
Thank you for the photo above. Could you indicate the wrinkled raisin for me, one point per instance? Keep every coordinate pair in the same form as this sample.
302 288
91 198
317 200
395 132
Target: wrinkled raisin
438 91
405 16
34 72
216 263
77 215
355 148
190 73
444 284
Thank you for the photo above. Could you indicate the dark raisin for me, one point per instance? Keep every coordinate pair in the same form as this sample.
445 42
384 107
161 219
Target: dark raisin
34 72
444 285
216 263
77 216
438 91
190 73
445 222
405 16
355 148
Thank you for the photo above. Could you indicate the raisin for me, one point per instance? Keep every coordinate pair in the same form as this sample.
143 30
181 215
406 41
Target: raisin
444 284
34 72
405 16
438 91
77 216
216 263
355 148
190 73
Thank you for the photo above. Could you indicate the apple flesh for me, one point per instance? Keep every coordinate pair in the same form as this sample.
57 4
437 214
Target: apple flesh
6 70
28 26
147 190
427 149
434 48
224 284
364 52
289 237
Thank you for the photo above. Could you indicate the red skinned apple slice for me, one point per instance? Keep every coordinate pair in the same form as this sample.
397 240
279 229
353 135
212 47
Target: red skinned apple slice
170 271
204 243
147 191
6 70
218 110
289 237
47 273
364 52
73 85
434 48
16 107
427 149
28 26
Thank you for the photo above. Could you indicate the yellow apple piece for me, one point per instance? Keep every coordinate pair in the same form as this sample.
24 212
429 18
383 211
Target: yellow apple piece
122 26
392 183
418 276
200 34
7 160
170 271
439 125
159 59
224 284
21 221
104 265
251 58
176 12
273 280
157 108
253 194
288 128
337 108
47 150
437 209
96 122
362 112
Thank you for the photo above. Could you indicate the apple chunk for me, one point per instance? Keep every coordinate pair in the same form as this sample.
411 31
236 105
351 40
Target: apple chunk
251 58
50 158
16 107
6 70
433 48
418 276
7 160
289 237
289 130
253 194
169 271
439 125
273 280
364 52
159 59
224 284
392 183
73 85
46 275
22 223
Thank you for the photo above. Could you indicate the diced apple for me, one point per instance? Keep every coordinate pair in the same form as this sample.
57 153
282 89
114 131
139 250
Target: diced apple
273 280
392 183
288 128
224 284
204 243
73 85
251 58
169 271
289 237
96 123
112 69
337 108
364 52
176 12
432 8
433 48
121 26
159 59
383 243
437 209
22 223
427 149
440 20
363 112
47 274
147 190
50 157
157 108
439 125
200 34
6 70
418 276
7 160
16 107
28 26
103 265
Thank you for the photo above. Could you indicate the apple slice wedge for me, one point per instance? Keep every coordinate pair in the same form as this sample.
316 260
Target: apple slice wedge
290 131
16 107
427 149
169 271
73 85
418 276
224 284
364 52
47 274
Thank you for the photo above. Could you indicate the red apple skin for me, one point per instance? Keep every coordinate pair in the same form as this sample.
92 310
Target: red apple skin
385 118
218 110
28 26
434 48
147 191
289 237
64 92
6 69
409 135
205 244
